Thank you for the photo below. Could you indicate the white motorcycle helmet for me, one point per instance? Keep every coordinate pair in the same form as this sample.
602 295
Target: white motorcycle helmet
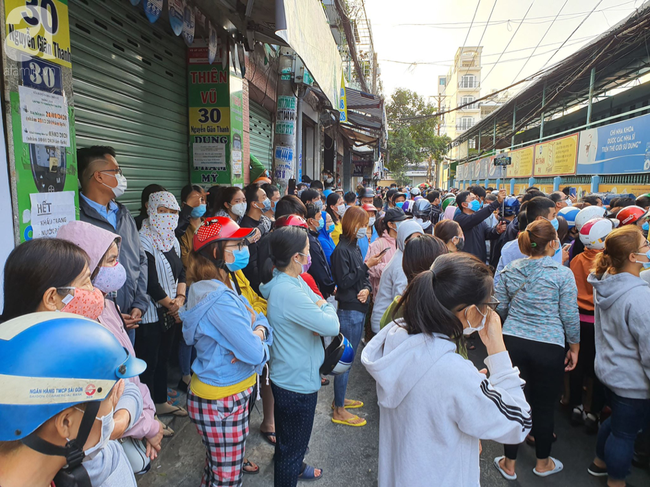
587 214
594 232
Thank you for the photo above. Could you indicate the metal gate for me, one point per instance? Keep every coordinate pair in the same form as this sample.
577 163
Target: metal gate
261 134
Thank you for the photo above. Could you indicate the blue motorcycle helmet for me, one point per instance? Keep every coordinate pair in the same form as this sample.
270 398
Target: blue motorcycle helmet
339 356
569 214
52 361
511 206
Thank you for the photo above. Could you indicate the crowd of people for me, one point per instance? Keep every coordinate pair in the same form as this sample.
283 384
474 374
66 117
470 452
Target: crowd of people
252 293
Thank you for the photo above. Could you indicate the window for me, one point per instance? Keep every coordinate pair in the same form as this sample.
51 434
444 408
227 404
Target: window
472 143
468 99
443 81
468 81
466 123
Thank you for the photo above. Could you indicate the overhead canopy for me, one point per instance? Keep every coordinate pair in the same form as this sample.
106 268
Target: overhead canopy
304 27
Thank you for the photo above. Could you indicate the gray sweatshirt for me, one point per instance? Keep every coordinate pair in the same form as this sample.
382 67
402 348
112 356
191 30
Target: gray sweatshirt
622 315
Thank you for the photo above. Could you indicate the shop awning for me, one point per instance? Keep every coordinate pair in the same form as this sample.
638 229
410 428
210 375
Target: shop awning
303 26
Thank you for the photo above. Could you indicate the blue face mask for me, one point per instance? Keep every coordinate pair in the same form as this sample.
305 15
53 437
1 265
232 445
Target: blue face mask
474 205
646 265
554 222
330 229
559 248
241 259
198 212
321 224
267 205
646 227
399 204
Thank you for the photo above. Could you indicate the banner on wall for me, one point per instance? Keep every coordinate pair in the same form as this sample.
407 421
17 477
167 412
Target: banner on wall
522 163
556 157
617 148
38 31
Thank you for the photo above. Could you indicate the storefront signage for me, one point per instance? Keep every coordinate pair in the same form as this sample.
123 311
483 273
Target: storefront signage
556 157
152 9
188 25
50 211
176 15
38 29
617 148
343 102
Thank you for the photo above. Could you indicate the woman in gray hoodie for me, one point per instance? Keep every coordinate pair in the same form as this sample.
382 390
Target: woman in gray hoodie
622 314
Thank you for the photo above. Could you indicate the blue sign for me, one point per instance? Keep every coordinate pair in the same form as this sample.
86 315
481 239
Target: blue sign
152 9
617 148
42 75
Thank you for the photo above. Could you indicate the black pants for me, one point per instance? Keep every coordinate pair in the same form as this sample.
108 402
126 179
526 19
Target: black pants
153 344
541 365
294 419
585 370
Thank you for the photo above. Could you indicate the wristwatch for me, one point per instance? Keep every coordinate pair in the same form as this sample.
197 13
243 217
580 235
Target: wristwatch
264 331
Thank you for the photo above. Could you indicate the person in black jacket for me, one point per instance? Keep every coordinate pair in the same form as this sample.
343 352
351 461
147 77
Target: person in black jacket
319 269
472 218
353 288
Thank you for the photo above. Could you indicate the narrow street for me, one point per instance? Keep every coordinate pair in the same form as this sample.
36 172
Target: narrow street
348 455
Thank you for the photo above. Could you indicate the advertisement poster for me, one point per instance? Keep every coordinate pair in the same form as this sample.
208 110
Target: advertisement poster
617 148
556 157
50 211
283 157
285 123
522 163
38 31
343 102
44 117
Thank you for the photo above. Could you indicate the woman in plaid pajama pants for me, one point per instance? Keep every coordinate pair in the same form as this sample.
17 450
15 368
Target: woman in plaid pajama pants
232 345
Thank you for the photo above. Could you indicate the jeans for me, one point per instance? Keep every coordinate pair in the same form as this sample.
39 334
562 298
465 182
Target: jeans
294 419
616 436
352 328
541 365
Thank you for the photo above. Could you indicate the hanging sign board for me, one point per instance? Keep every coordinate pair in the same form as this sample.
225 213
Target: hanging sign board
176 15
556 157
152 9
188 25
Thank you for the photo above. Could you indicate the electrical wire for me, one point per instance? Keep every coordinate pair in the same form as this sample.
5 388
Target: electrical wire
470 27
540 41
511 38
483 34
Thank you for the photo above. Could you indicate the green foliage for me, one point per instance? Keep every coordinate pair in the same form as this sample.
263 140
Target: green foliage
412 141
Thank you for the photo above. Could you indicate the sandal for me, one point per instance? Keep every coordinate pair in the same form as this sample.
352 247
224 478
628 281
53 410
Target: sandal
175 411
255 468
324 381
558 468
351 421
267 435
505 475
352 404
167 432
308 474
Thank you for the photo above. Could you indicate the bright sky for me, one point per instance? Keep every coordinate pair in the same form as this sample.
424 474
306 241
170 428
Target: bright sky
401 33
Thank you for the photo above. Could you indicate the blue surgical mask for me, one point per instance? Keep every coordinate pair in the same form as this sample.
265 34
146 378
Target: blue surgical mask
559 248
321 224
646 265
198 211
241 259
399 204
554 222
330 229
267 205
646 227
474 205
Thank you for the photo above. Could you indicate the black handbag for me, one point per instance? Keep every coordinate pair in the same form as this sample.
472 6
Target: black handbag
166 320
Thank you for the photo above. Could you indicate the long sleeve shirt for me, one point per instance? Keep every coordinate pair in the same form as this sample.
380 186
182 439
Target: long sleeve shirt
476 230
539 298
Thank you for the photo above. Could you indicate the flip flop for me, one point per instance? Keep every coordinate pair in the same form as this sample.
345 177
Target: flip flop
505 475
267 435
248 463
324 381
309 474
353 405
349 423
167 432
177 411
558 468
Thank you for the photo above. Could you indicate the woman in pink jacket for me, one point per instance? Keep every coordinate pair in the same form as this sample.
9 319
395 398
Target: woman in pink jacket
386 243
108 275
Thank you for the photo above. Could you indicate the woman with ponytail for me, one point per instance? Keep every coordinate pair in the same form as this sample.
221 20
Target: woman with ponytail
538 302
622 314
232 343
299 318
414 359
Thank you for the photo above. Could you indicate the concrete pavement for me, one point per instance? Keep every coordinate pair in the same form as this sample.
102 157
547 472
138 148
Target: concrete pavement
348 455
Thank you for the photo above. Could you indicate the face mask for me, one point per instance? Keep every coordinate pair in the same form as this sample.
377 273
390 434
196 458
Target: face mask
164 223
470 329
110 279
341 210
460 243
321 224
474 205
299 193
121 184
569 202
318 205
646 227
371 221
399 204
330 229
198 212
239 209
559 248
397 225
266 205
84 303
554 222
329 180
423 224
305 267
108 425
361 233
646 265
241 259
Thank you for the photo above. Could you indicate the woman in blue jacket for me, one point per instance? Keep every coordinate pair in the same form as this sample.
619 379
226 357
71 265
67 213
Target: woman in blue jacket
299 318
232 345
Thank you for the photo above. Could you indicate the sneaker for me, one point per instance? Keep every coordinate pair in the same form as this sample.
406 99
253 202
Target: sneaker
597 471
591 423
576 416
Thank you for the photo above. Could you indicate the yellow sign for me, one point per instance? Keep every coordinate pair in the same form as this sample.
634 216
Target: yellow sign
522 163
636 189
40 29
556 157
209 121
343 101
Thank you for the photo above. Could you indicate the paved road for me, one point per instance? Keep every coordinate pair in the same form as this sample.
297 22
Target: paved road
349 455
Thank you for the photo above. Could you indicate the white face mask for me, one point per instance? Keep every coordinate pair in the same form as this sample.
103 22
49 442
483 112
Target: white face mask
341 210
121 184
361 233
470 329
239 209
108 425
423 224
371 221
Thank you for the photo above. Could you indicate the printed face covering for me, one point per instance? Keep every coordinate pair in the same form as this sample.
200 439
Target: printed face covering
160 226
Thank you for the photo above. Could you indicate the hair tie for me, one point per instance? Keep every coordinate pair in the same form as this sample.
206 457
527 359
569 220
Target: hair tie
533 244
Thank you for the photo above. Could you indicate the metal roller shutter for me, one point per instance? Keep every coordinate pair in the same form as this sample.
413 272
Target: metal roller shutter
261 134
130 92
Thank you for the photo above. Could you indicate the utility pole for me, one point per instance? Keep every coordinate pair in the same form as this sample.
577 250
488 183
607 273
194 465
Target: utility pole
284 140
